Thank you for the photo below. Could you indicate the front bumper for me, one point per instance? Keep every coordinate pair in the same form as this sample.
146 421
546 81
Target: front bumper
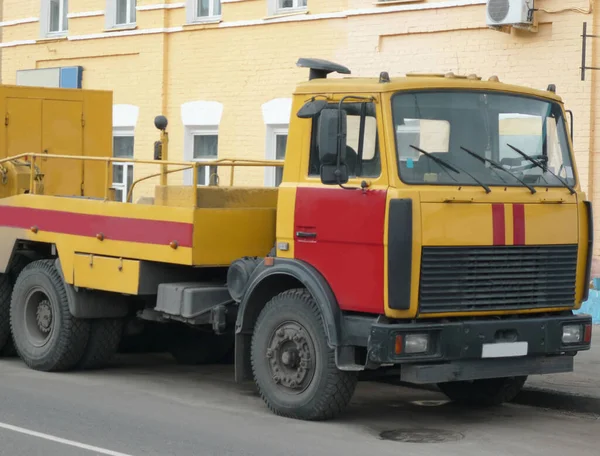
469 350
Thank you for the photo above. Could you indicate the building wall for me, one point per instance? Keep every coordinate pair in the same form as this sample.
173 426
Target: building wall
242 66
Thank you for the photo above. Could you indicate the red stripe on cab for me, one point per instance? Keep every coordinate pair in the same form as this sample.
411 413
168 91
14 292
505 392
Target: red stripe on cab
498 224
519 224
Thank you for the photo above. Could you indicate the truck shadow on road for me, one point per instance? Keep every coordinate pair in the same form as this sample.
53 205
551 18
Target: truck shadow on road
375 403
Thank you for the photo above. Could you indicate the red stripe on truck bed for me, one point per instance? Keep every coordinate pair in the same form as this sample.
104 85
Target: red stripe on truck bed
124 229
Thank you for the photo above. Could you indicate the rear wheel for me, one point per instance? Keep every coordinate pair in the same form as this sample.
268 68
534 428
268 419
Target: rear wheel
105 337
47 337
7 281
5 294
484 392
294 368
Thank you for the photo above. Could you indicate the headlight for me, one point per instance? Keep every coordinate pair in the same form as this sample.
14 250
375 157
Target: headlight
416 343
572 334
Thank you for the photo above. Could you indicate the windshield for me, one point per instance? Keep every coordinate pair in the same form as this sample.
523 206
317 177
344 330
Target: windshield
474 132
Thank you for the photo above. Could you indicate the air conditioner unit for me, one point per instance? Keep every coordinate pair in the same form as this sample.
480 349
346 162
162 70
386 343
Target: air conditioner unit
516 13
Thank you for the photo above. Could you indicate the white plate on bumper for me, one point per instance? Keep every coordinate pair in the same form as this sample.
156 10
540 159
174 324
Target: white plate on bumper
504 350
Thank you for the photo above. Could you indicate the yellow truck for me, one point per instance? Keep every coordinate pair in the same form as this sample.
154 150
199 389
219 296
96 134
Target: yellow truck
430 226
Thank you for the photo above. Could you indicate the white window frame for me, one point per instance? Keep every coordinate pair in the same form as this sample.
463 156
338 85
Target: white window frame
191 133
198 117
193 13
275 9
271 151
62 17
123 132
111 15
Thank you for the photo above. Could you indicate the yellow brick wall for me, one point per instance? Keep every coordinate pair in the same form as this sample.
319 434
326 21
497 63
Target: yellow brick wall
248 59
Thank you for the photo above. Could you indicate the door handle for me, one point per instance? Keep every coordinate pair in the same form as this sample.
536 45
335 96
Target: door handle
305 235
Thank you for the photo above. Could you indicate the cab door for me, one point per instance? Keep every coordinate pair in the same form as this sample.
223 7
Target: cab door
340 231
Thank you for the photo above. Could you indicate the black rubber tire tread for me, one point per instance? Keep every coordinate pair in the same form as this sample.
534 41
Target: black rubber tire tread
7 280
70 335
333 389
103 343
193 347
5 296
485 392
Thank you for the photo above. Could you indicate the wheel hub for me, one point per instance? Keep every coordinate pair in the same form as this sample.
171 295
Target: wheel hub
290 356
44 316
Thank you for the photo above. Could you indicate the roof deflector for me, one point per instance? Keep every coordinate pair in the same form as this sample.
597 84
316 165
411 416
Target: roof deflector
319 69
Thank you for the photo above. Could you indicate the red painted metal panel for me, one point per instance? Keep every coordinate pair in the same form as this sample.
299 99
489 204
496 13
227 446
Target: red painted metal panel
341 233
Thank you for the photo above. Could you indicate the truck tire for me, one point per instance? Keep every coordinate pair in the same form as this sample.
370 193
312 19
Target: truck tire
485 392
105 337
192 347
7 281
294 367
5 295
47 337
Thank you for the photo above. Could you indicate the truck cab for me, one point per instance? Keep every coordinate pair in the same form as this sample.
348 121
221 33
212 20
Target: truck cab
438 225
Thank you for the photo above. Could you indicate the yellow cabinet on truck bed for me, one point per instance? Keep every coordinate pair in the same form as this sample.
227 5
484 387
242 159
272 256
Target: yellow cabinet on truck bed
59 122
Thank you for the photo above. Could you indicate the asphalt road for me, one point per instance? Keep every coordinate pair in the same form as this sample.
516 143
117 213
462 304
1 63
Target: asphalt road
146 405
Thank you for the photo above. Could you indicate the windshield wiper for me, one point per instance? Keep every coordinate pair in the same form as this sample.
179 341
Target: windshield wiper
498 166
539 165
454 168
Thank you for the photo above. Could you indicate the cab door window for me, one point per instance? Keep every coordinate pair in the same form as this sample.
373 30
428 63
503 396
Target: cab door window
362 145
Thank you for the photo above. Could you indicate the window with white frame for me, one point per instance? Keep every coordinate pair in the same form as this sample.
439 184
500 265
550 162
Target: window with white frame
202 10
123 145
53 17
287 6
120 13
276 116
206 148
276 146
201 120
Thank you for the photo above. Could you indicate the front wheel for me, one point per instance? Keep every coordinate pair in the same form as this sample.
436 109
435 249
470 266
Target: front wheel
484 392
294 368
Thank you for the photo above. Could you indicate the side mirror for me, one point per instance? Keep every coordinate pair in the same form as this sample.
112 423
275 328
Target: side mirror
311 109
334 175
331 139
332 136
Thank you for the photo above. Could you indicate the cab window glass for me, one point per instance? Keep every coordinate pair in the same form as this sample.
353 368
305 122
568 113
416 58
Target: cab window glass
362 145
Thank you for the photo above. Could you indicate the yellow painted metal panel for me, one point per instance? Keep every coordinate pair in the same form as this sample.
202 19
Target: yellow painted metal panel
456 224
224 235
24 130
97 140
62 135
551 224
104 273
582 253
285 219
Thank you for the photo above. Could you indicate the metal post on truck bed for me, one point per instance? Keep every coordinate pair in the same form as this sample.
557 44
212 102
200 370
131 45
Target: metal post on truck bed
164 139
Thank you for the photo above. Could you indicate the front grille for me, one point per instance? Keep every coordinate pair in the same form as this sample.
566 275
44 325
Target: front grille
497 278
